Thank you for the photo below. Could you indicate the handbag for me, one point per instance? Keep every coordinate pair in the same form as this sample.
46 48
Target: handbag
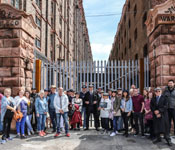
17 115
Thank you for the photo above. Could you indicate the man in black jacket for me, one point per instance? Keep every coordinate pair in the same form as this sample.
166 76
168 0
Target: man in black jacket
91 107
169 94
159 107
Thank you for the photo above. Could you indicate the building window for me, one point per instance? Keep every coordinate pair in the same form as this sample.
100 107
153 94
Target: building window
136 56
129 43
52 22
52 8
24 5
38 21
38 3
135 34
145 51
60 34
60 20
52 39
129 6
37 43
129 23
61 7
15 3
135 10
144 19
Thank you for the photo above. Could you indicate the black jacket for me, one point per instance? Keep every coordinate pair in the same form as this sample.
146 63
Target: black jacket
82 96
91 101
170 97
161 125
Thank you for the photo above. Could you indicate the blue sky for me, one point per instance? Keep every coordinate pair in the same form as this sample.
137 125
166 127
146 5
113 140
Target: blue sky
102 29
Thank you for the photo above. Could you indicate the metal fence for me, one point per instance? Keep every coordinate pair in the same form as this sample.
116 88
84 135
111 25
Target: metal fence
106 74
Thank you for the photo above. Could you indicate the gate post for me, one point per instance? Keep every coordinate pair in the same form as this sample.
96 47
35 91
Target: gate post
38 75
141 68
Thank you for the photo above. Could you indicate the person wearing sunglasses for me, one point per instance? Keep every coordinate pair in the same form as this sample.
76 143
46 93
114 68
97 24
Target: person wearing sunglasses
159 108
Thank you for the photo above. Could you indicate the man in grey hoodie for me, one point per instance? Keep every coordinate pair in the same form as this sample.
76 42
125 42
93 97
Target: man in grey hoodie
61 103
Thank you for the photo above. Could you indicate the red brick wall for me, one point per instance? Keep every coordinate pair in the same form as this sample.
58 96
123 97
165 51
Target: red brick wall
156 2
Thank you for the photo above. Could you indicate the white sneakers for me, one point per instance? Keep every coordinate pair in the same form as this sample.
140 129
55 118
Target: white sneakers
113 134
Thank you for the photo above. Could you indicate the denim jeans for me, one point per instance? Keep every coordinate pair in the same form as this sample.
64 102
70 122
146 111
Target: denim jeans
28 122
65 118
41 122
115 123
84 116
1 124
20 125
53 118
120 123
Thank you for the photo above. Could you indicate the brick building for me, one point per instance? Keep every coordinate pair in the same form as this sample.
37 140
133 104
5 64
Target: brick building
62 32
49 30
147 28
131 41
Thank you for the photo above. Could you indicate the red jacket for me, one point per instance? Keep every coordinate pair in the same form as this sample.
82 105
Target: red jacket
76 117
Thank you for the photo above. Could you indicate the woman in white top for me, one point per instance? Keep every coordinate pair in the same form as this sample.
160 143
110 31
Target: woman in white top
21 104
105 106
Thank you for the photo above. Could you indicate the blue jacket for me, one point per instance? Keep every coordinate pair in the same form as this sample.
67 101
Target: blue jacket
4 105
127 105
41 105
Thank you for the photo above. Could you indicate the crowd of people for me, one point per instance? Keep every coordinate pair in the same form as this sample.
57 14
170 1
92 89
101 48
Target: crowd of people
115 112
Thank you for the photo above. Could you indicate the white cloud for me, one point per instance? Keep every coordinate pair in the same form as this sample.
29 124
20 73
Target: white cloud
101 51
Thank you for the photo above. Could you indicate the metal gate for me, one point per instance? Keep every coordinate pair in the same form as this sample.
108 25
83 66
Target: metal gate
106 74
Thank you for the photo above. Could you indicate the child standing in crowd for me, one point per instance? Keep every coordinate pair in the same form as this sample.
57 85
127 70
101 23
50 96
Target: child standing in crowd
41 107
7 110
115 111
77 108
30 110
126 108
105 106
21 104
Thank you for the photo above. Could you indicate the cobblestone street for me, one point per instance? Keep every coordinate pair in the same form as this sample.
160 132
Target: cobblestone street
85 140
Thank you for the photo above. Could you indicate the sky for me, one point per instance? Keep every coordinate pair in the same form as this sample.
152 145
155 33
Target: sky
102 29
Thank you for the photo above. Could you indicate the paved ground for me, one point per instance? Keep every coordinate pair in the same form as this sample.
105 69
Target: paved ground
84 140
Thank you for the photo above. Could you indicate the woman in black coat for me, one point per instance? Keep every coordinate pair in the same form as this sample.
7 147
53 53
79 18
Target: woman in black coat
159 107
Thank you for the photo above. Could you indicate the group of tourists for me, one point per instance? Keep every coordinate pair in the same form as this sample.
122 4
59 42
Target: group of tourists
115 112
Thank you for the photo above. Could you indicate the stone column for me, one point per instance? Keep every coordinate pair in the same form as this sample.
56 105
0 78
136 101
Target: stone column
161 33
16 48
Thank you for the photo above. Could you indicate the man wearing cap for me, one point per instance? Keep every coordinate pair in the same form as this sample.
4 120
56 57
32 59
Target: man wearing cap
159 107
91 107
169 94
82 96
51 107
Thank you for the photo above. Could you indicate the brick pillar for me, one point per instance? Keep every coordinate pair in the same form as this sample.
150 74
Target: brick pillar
161 33
16 48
